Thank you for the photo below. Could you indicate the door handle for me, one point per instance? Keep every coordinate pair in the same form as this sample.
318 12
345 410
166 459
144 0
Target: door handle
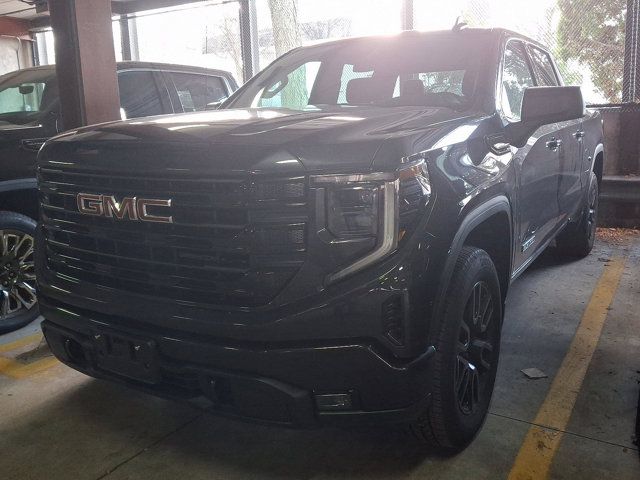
554 144
579 134
32 144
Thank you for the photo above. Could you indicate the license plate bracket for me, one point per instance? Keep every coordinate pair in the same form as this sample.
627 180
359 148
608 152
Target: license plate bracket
128 356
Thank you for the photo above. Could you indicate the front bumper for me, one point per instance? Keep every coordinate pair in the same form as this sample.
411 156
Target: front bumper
279 385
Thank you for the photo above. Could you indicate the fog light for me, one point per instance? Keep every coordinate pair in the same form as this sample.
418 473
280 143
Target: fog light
74 351
334 402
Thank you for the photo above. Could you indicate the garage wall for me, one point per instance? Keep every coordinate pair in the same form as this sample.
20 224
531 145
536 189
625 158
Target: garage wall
15 45
14 54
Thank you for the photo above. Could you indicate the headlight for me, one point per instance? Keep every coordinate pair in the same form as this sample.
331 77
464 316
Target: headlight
375 210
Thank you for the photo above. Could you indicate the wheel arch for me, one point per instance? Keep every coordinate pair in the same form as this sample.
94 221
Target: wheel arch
597 165
20 196
478 222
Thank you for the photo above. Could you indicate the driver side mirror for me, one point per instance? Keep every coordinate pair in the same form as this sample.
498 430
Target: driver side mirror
543 106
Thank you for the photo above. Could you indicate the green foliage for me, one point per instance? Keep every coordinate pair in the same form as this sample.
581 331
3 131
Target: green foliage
592 32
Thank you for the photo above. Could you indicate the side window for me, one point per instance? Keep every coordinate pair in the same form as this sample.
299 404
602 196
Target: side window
139 96
196 91
293 90
545 73
516 78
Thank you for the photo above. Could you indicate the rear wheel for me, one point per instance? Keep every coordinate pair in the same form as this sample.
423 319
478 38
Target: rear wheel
577 239
466 360
18 303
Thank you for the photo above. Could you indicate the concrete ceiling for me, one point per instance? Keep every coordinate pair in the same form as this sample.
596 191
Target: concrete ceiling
18 9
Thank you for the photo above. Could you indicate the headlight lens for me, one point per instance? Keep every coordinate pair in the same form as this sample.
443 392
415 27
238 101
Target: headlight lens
379 208
352 210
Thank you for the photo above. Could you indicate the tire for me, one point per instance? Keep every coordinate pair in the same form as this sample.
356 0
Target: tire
466 359
577 240
18 303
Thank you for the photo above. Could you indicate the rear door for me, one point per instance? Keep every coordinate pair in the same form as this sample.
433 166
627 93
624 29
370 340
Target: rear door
569 186
194 91
537 163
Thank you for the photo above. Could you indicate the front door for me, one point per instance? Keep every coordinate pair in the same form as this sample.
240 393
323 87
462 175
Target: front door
570 133
538 163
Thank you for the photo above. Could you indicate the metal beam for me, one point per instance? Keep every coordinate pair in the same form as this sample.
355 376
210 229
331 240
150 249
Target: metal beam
129 37
125 37
134 6
85 62
249 38
631 79
407 15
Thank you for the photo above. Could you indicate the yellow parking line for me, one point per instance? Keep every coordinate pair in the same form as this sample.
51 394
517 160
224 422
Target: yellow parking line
7 347
541 444
17 370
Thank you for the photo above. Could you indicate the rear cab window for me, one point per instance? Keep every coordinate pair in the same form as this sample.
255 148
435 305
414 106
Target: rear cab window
196 91
139 94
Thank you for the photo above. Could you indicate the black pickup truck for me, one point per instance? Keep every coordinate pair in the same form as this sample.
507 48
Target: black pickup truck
335 244
30 114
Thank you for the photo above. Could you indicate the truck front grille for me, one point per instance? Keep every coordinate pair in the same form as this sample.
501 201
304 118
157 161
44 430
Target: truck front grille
234 241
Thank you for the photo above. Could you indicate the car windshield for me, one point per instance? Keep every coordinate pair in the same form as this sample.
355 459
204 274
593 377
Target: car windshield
27 95
440 70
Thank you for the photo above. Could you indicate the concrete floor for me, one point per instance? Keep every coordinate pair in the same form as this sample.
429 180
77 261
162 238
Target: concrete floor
58 424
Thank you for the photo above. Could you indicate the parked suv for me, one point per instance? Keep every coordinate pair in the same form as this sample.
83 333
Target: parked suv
30 114
335 245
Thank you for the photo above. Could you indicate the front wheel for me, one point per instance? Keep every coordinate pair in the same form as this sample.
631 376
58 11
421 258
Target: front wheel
466 359
18 303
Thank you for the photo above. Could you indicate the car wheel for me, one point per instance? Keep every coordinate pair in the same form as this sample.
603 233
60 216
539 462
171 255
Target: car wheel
577 239
466 359
18 302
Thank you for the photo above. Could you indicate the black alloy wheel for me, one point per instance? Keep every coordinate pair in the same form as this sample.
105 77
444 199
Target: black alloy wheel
467 350
475 356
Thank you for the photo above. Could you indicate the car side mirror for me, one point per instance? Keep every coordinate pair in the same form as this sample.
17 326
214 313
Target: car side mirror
543 106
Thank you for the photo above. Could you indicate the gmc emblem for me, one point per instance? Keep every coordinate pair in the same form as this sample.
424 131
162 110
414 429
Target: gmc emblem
131 208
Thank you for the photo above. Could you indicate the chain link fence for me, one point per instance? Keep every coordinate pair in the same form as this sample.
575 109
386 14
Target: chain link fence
586 36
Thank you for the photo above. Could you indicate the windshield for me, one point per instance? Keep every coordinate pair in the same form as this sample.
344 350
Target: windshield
26 95
440 70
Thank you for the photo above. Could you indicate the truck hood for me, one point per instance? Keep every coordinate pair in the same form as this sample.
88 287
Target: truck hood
340 139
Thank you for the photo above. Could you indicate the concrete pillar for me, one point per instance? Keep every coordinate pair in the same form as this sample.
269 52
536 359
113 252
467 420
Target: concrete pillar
85 61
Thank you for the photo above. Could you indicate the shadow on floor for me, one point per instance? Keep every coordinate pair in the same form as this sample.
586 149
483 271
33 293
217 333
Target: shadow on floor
551 257
112 424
